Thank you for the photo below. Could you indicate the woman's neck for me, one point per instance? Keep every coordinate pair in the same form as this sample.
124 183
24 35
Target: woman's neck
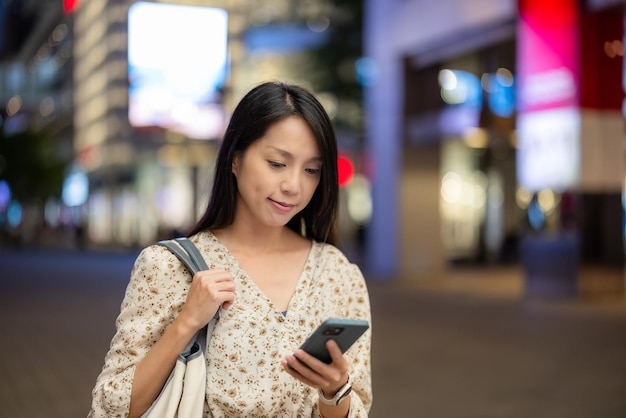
242 238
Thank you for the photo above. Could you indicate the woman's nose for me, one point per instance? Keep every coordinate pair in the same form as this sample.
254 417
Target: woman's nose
290 183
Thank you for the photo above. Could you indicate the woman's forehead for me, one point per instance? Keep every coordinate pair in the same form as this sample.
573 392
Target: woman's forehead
291 137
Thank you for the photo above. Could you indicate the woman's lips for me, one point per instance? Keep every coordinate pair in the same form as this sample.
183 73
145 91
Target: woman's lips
283 207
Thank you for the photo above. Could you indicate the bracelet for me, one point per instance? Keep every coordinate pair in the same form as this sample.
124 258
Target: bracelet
339 396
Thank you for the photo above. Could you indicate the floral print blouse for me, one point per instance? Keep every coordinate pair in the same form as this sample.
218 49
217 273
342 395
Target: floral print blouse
245 377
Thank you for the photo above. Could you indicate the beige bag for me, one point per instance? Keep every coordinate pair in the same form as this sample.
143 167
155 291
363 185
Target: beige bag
184 392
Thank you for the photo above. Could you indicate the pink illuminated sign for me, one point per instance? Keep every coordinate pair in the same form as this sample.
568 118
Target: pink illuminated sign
548 74
548 54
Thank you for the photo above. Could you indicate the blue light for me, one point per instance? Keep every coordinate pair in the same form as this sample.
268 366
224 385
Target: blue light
283 38
5 194
366 71
502 97
14 214
536 217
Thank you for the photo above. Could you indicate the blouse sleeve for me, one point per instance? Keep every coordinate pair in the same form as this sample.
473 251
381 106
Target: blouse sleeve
354 299
154 297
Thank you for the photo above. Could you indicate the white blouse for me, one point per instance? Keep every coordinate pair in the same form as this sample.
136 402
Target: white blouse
244 374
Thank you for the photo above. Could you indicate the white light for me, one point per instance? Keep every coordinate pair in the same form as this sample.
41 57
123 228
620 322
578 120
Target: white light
485 82
548 154
447 79
549 86
318 25
455 96
504 77
547 200
47 106
14 105
451 187
360 204
75 189
177 54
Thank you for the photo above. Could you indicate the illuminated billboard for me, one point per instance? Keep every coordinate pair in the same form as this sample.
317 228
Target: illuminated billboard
548 154
548 78
177 64
548 55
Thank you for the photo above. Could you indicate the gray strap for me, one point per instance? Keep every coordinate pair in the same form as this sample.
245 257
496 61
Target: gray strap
188 253
193 252
182 254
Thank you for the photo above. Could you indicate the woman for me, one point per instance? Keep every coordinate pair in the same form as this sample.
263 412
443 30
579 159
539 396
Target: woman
274 273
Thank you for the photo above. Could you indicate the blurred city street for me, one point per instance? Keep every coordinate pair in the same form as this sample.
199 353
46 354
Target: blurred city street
479 138
468 346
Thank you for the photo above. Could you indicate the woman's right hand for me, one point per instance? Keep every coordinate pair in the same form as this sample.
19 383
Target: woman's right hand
209 290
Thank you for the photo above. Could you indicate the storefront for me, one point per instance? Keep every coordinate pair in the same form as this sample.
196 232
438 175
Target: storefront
475 171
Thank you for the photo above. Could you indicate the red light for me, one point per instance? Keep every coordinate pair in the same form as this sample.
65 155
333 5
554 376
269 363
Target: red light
69 6
345 169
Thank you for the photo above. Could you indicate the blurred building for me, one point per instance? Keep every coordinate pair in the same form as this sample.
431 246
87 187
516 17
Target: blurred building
36 64
493 128
496 135
154 84
137 95
36 88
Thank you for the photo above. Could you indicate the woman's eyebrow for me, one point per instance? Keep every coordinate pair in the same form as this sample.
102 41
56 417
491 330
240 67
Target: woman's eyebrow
287 154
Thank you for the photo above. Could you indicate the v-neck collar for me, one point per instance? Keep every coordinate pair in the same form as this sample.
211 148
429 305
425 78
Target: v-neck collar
306 275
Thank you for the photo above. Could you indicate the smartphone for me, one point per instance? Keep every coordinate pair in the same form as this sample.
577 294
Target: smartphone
345 332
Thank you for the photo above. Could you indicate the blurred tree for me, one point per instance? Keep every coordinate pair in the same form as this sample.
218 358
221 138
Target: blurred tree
334 61
30 163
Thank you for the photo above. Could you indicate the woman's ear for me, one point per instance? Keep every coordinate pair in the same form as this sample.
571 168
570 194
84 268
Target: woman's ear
235 165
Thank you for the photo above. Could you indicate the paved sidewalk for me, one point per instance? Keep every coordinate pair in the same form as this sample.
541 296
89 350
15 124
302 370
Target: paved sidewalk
469 346
507 283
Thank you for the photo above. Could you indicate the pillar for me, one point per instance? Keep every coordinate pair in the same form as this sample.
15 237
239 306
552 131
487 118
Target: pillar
384 103
571 133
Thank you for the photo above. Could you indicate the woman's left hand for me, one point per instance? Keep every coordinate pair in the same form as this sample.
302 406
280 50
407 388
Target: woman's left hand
313 372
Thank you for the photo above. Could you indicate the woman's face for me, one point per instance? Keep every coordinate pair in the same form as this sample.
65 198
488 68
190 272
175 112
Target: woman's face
278 174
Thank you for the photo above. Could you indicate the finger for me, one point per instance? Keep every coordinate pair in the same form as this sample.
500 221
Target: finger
214 293
223 278
336 355
213 285
291 370
309 360
221 286
213 275
222 290
318 371
229 300
301 371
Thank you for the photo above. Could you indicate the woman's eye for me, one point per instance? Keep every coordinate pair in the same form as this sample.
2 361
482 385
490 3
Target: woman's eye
276 164
314 171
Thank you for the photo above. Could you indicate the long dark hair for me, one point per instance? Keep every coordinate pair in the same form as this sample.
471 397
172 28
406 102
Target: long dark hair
263 106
